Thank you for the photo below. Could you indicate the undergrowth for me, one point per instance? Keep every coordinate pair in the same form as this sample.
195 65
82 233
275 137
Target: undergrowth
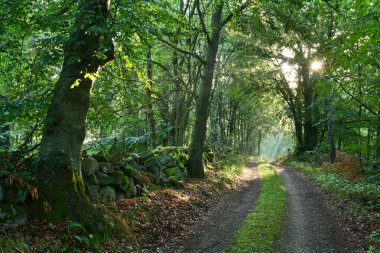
231 169
135 224
262 226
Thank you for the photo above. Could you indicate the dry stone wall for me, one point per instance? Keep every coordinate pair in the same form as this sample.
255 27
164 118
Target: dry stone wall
133 175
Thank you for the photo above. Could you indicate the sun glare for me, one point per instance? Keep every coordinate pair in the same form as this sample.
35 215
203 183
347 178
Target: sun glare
290 73
316 65
287 52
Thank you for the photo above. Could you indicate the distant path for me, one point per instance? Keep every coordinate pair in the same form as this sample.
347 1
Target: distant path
216 230
312 221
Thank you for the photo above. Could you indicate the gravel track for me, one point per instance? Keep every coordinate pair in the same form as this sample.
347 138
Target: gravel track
312 222
215 231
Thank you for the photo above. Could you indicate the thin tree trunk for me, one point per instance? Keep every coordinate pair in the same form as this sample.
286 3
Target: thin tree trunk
339 141
61 188
150 111
368 144
259 144
330 127
378 137
360 128
5 140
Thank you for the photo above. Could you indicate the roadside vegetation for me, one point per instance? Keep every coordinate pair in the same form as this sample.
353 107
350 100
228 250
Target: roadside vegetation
135 223
359 191
264 223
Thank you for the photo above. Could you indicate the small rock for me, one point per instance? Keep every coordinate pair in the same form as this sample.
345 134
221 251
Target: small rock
92 179
137 176
118 177
89 166
11 216
120 195
152 162
15 195
376 166
108 193
136 157
165 160
101 156
106 167
177 172
127 169
173 181
103 178
94 192
146 157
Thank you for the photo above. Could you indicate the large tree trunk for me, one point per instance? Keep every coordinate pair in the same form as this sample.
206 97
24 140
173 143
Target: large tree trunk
195 163
61 188
310 131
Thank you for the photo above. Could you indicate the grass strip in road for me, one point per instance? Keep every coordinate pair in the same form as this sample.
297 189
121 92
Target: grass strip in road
263 224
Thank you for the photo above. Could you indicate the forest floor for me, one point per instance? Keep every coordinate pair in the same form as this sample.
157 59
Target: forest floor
314 220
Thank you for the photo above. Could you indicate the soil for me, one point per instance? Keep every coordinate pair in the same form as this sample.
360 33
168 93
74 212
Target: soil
314 222
215 231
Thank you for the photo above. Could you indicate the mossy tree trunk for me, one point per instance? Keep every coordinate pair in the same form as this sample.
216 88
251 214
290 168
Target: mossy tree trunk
61 188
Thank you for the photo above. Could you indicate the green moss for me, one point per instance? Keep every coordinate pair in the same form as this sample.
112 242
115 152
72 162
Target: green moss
261 226
171 171
127 169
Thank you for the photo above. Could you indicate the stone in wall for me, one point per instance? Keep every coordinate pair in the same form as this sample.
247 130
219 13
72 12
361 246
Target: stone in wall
89 166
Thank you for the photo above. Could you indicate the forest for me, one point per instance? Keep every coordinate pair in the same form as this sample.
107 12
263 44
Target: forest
124 123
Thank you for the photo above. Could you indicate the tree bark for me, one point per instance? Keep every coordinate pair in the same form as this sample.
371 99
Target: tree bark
195 162
61 189
5 140
378 137
150 111
310 131
330 129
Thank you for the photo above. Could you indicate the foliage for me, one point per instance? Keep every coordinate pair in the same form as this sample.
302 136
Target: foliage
345 165
231 168
263 224
364 193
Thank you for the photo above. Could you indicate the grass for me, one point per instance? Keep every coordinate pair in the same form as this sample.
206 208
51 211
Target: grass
263 225
232 168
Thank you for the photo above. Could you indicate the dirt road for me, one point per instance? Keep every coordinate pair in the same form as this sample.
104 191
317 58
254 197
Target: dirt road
216 230
312 222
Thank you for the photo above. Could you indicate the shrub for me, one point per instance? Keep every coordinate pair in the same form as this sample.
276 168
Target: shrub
345 165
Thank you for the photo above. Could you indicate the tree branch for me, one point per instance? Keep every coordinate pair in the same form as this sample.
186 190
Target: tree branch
202 21
355 98
229 17
195 55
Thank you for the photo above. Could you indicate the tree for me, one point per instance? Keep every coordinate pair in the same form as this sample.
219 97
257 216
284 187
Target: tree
195 162
88 48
